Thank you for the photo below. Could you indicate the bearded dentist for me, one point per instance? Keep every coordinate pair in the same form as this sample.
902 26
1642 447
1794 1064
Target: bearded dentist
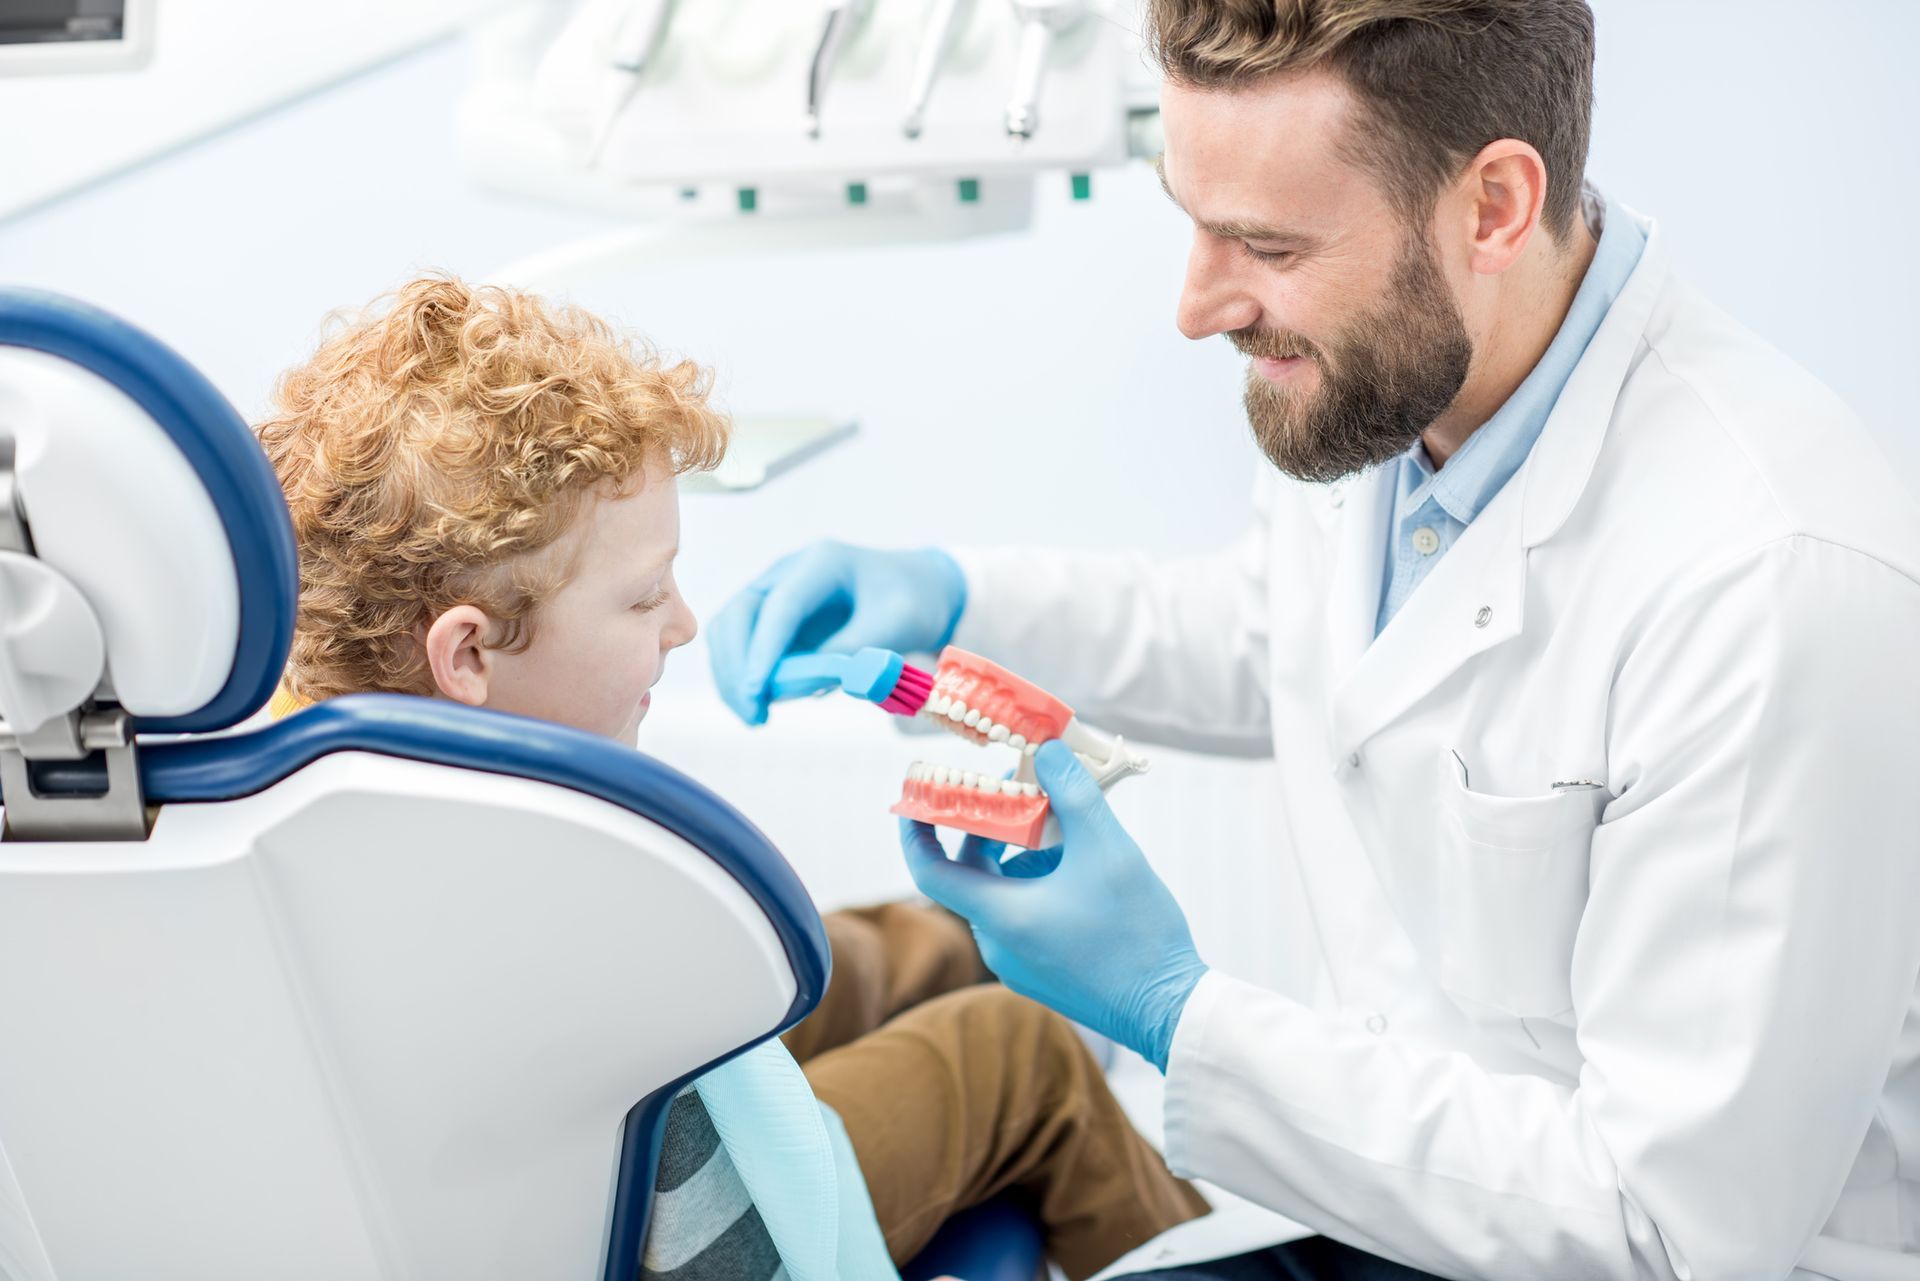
1581 627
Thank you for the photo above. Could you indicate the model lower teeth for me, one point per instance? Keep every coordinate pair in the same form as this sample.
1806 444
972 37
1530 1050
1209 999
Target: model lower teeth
984 703
948 776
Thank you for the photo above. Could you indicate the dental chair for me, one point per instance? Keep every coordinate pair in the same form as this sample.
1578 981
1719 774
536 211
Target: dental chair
393 988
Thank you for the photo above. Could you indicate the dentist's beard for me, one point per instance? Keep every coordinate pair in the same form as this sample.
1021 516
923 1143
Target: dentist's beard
1383 380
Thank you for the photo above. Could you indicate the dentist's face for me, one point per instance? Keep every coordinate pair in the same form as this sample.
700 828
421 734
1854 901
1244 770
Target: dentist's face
1357 343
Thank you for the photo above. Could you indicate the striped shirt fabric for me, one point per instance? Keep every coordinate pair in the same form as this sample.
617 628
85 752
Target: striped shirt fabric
704 1227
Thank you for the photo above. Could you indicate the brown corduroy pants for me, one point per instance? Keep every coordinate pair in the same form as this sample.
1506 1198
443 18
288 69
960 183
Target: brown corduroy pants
954 1091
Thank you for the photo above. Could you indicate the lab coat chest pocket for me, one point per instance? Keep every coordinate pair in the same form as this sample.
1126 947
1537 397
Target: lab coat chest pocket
1512 884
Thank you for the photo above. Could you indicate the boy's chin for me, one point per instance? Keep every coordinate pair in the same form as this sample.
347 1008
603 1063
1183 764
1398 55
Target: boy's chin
629 735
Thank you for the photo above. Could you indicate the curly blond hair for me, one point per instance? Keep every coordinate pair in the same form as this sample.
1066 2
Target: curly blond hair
435 448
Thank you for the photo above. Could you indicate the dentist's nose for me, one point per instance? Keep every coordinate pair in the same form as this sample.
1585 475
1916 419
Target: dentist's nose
1211 299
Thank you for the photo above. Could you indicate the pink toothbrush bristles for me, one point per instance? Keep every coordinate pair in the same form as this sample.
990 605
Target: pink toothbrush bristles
910 692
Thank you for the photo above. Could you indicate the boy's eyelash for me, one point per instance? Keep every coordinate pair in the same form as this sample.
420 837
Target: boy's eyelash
654 601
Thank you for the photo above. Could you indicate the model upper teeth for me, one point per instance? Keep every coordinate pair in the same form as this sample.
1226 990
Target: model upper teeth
954 714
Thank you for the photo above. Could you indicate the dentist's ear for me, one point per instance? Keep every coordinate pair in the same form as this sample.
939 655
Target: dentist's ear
457 654
1502 197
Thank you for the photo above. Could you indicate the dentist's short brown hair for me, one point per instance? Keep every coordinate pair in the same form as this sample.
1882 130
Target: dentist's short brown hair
1437 79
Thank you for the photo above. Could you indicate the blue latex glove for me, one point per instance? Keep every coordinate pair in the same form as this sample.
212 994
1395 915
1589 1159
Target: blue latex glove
1096 936
831 598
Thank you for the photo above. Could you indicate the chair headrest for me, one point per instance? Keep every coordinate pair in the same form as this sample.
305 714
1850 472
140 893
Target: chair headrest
159 569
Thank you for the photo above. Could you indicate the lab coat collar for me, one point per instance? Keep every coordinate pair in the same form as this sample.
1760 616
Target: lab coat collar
1475 598
1357 508
1557 471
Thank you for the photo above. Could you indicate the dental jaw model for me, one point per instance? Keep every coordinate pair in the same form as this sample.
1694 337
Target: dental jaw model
989 706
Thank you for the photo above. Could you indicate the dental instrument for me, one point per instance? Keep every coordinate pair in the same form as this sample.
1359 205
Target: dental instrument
842 18
696 149
1040 21
941 25
636 43
876 675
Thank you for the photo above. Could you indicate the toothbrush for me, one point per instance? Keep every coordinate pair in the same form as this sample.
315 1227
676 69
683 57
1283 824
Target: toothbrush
877 675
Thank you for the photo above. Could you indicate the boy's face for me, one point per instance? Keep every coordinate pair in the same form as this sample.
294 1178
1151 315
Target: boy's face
601 641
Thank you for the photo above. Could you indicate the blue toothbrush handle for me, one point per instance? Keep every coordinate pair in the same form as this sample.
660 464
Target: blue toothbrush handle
869 673
805 674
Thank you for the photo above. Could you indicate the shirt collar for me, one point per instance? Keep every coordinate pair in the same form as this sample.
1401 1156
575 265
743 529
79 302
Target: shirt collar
1493 453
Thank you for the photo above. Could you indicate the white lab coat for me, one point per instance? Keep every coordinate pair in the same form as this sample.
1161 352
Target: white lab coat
1666 1027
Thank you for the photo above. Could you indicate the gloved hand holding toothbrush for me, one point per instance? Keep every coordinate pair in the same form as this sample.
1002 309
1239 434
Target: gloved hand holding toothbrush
1085 927
1097 937
831 598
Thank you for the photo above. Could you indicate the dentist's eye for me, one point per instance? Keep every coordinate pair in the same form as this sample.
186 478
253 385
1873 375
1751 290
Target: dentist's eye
653 602
1271 256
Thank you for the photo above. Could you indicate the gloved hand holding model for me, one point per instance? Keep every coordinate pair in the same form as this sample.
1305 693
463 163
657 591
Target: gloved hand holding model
1044 924
831 598
1098 938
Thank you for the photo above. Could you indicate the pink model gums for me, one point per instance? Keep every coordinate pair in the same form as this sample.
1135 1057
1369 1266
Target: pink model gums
985 703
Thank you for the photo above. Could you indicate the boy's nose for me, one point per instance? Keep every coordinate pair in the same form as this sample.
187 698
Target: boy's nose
683 627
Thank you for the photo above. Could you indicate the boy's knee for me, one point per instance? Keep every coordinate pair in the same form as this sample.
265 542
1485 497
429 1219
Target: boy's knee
930 949
856 947
1000 1012
959 948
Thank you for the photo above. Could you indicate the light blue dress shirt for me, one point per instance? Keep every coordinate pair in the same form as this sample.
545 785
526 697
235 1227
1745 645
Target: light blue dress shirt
1431 509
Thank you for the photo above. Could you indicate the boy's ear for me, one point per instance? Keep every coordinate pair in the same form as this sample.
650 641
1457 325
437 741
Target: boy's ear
456 648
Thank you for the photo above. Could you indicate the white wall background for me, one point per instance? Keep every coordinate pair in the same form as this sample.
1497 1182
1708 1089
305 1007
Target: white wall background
1021 389
1775 143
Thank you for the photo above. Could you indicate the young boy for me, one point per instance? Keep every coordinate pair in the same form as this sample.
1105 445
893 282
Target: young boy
482 492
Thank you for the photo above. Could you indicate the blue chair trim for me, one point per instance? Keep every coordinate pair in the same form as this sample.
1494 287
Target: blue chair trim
221 769
229 461
994 1241
641 1142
